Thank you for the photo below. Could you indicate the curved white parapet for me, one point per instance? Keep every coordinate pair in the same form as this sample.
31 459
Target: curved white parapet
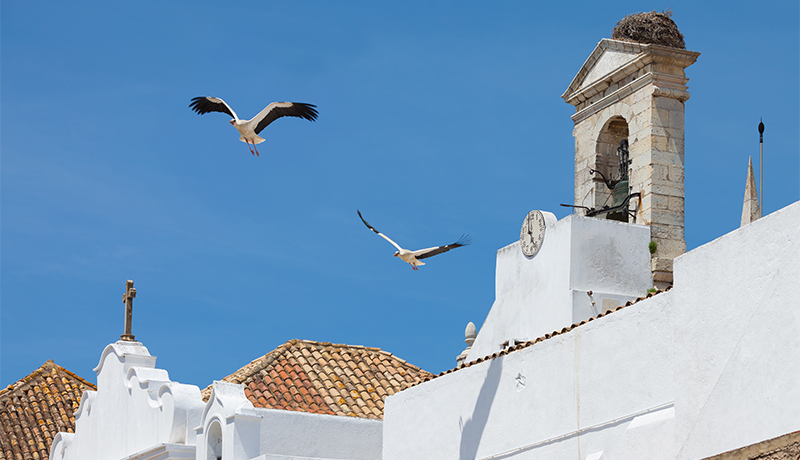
148 380
133 353
135 407
87 399
226 399
61 443
230 424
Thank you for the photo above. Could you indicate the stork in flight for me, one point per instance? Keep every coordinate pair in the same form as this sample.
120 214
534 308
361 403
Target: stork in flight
249 129
413 257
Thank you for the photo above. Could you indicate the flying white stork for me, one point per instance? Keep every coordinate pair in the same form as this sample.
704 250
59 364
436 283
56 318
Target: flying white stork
413 257
249 129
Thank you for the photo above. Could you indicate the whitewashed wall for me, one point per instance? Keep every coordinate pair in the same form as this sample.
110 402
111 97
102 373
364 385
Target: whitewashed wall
709 366
567 386
234 429
316 436
737 318
135 408
536 296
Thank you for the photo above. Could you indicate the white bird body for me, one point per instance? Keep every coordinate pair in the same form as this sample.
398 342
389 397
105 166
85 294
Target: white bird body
247 133
412 257
249 129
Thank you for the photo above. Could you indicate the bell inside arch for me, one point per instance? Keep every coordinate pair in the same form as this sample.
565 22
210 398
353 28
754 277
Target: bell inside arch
622 189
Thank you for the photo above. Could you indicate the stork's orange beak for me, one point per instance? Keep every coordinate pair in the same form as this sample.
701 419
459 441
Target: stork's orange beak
232 121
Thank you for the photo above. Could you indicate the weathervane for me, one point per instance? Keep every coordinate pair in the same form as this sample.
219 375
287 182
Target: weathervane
127 299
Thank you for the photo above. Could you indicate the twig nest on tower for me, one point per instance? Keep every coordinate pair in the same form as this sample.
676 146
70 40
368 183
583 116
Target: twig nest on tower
652 27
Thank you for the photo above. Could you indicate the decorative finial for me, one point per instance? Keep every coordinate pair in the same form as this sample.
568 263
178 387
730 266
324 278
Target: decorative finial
127 299
470 333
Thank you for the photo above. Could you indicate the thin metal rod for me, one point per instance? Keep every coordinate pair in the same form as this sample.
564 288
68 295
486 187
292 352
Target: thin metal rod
761 167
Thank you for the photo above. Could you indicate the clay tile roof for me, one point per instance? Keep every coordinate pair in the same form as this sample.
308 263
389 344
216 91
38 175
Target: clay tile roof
325 378
34 409
549 336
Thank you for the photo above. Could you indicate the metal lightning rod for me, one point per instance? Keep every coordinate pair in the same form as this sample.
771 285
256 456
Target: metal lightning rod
761 165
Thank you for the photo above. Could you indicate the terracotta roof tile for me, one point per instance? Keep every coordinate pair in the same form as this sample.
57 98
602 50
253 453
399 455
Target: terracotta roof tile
34 409
325 378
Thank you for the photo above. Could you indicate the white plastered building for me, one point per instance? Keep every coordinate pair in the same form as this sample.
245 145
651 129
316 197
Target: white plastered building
708 366
138 413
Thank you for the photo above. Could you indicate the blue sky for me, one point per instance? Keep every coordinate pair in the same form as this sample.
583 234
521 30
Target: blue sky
436 119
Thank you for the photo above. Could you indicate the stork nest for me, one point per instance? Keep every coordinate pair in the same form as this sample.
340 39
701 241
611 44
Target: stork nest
652 27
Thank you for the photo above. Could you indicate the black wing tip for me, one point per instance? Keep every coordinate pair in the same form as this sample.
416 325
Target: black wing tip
200 104
465 240
307 111
365 222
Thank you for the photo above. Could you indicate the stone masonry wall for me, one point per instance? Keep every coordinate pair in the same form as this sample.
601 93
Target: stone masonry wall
648 92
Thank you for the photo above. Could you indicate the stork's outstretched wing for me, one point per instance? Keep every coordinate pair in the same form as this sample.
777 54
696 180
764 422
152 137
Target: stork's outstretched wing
430 252
204 104
283 109
379 233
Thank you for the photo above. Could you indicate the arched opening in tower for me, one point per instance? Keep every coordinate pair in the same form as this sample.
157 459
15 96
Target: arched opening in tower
611 163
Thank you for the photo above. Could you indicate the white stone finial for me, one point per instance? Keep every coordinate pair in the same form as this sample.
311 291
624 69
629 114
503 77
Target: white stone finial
470 333
750 210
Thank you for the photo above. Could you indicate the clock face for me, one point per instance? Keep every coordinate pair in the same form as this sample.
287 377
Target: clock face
532 233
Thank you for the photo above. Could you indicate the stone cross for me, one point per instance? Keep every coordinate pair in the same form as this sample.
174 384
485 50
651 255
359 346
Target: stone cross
127 299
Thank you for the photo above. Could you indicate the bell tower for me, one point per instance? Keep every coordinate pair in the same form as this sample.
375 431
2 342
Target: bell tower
629 100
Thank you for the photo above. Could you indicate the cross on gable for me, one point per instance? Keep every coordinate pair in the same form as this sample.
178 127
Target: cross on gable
127 299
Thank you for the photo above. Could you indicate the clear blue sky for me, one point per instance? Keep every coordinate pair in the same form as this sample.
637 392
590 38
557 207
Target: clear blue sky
436 119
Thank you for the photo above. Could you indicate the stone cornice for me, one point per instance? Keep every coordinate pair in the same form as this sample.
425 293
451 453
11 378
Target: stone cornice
642 55
626 90
664 85
682 96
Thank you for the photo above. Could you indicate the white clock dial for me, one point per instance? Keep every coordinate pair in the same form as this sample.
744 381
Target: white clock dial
532 234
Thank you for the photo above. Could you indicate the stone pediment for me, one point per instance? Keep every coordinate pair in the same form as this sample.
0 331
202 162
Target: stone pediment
614 60
608 57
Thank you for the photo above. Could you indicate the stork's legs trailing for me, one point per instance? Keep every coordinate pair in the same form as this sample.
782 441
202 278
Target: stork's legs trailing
251 149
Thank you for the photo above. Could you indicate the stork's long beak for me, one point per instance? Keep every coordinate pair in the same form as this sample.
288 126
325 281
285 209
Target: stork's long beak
395 254
232 121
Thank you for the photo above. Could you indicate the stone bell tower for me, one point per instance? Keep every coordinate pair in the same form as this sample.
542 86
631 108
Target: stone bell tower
629 100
